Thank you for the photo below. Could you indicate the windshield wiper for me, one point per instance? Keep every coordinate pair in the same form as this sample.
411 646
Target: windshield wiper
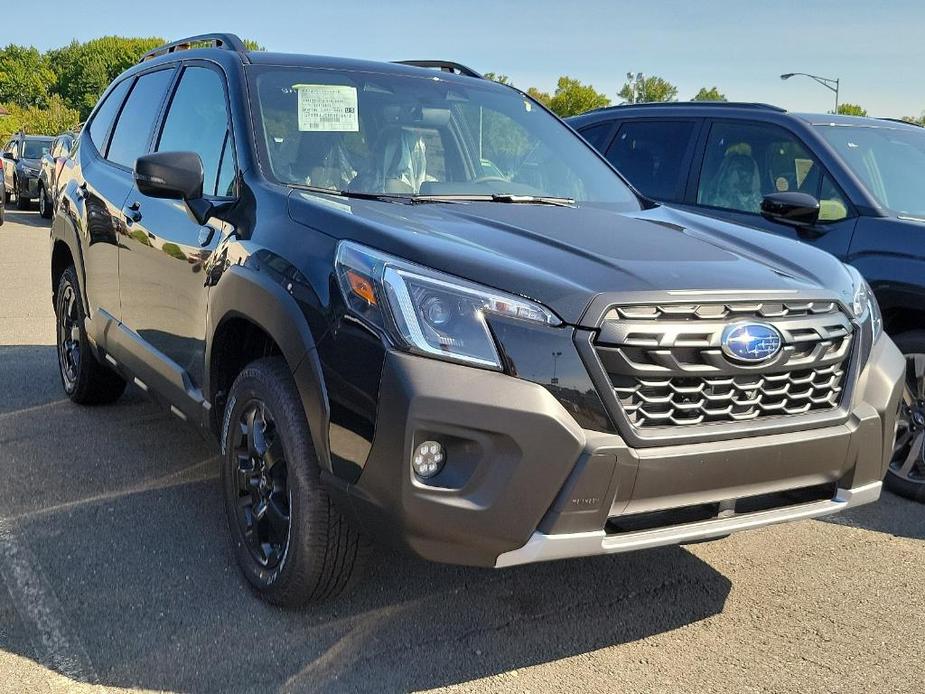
533 199
388 197
496 197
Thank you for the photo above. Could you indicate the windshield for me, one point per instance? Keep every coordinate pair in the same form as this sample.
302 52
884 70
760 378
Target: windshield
889 161
34 149
381 134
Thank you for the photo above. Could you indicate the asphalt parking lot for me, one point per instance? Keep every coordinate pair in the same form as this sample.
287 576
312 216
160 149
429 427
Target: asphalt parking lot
115 573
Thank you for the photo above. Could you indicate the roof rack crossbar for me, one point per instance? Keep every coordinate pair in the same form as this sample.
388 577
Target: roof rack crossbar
230 42
444 66
714 104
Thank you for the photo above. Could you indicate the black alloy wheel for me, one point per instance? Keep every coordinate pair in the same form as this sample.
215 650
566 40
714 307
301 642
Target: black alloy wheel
906 474
69 337
44 205
262 485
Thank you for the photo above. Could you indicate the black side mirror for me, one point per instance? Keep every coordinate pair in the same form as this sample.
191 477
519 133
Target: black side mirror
174 176
793 209
9 155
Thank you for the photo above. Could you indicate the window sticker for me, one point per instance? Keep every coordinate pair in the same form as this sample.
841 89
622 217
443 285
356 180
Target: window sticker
327 108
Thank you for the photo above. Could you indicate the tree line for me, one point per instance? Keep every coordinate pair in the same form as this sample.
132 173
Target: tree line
54 91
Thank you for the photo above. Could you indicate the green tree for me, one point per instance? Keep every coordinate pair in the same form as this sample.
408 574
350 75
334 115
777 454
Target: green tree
572 97
711 94
252 45
851 110
541 96
25 77
499 78
640 89
84 70
51 119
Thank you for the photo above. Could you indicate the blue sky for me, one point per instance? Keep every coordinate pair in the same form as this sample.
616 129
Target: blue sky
875 48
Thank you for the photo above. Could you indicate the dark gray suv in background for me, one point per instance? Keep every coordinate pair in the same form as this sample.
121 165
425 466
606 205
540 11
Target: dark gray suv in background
852 186
411 305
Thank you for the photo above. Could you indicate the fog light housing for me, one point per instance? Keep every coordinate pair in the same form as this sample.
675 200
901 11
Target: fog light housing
428 459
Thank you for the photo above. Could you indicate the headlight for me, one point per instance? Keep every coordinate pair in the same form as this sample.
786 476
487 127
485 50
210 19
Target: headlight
426 311
864 304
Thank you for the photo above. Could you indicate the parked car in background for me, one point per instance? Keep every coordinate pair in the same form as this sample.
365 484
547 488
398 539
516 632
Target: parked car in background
52 163
22 165
2 207
852 186
413 305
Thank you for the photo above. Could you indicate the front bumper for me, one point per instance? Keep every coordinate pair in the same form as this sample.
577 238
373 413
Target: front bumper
28 185
524 483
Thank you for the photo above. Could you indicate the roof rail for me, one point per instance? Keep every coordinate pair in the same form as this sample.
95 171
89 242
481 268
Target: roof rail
443 65
712 104
229 42
900 120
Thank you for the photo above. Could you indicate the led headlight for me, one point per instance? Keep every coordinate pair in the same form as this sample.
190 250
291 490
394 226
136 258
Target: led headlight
426 311
864 304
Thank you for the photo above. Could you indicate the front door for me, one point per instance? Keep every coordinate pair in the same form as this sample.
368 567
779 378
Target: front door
162 262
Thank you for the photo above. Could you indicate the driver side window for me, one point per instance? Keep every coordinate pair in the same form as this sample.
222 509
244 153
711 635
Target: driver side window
744 162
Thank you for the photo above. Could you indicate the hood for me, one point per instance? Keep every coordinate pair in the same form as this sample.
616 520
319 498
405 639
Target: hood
565 257
31 163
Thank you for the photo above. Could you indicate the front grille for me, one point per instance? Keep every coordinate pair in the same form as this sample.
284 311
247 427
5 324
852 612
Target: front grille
666 365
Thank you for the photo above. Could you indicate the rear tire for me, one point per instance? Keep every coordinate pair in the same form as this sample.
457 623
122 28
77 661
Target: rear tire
85 380
44 204
291 543
902 479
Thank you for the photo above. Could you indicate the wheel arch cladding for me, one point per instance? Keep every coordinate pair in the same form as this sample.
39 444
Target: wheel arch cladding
243 295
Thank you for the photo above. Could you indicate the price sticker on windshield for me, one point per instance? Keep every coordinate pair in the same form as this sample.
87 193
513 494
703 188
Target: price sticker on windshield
327 108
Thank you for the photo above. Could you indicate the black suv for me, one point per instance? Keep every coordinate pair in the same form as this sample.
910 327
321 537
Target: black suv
22 163
52 162
854 187
413 306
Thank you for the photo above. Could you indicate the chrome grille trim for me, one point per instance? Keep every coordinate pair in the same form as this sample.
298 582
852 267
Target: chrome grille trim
666 367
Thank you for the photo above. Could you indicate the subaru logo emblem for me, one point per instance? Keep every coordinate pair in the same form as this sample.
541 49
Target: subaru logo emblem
751 342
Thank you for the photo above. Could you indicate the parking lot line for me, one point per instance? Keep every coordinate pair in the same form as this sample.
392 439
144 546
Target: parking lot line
39 610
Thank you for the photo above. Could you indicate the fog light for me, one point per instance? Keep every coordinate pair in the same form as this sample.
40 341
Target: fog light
428 459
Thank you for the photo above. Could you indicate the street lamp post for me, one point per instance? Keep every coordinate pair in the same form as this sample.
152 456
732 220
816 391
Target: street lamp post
827 82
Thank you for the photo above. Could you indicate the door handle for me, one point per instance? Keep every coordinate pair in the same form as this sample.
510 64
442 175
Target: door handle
132 212
205 235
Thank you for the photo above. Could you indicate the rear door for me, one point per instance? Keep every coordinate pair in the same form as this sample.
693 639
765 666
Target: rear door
742 161
162 261
655 155
107 178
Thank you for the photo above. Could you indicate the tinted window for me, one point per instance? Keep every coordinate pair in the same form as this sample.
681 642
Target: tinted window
227 171
106 112
650 154
198 122
744 162
832 204
133 129
597 135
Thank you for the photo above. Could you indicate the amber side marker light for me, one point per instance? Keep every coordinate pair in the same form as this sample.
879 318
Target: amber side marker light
361 286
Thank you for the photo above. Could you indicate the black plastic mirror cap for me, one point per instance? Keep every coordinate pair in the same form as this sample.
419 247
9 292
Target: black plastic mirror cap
170 175
793 208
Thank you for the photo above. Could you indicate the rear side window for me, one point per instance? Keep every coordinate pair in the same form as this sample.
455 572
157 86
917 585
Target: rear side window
651 155
198 122
133 129
99 126
597 135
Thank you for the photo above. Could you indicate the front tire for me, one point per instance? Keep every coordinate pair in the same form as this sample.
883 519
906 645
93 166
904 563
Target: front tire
291 543
22 203
906 474
86 381
44 204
